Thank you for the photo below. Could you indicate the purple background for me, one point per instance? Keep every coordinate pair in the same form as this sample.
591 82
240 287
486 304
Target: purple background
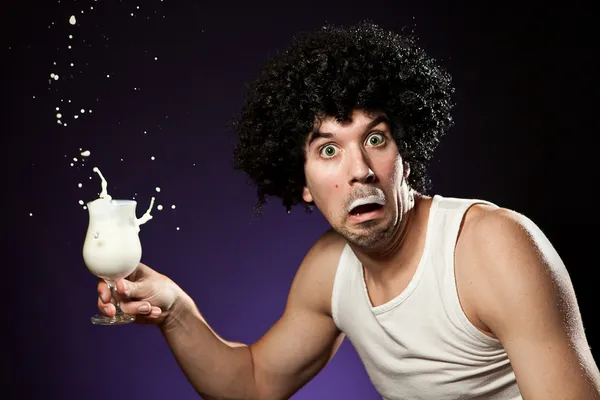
522 140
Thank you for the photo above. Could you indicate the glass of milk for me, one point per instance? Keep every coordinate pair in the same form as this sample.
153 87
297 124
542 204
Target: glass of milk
112 248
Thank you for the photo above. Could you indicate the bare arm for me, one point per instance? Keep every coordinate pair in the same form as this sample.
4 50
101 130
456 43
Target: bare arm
292 352
528 302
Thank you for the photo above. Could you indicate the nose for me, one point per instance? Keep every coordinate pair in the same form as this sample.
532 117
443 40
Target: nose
359 169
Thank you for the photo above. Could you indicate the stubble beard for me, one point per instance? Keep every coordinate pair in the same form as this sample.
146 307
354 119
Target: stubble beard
369 235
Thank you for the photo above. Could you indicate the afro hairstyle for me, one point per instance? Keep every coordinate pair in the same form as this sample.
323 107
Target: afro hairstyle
329 73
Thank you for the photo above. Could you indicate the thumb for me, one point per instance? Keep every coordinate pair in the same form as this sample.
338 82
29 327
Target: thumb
137 290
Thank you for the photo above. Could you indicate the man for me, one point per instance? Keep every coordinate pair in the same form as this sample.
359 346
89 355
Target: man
443 298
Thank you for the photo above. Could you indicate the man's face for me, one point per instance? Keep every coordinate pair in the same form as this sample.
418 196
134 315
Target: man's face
356 178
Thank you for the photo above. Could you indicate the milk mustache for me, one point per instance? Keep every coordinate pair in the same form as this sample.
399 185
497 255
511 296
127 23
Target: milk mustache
112 248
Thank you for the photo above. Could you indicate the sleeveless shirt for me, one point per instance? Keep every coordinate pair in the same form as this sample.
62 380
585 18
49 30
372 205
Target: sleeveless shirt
421 345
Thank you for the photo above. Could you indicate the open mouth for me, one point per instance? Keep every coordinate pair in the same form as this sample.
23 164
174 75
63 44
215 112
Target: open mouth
365 208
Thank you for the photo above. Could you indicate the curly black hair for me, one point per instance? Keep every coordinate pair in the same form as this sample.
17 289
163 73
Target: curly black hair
328 73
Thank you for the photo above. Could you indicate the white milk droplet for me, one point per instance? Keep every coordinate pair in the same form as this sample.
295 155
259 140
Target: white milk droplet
177 228
75 159
72 20
159 207
72 64
173 207
70 36
79 185
31 214
84 207
57 108
71 164
157 189
82 111
55 77
59 115
152 158
81 202
85 153
52 75
77 116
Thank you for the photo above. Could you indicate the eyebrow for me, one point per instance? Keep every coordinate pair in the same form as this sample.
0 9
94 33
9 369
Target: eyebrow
317 134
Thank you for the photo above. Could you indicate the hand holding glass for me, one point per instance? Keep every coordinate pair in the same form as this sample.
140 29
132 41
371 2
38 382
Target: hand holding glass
112 249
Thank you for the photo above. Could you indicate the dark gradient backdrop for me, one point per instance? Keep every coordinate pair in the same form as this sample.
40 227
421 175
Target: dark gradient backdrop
523 139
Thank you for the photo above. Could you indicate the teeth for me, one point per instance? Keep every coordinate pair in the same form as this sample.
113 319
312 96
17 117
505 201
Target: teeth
366 200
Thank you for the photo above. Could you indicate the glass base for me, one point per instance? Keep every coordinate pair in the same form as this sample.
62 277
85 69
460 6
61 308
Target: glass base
119 319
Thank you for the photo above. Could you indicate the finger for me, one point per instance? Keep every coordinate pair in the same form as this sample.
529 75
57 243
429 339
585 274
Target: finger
136 307
134 290
126 288
155 313
107 309
103 291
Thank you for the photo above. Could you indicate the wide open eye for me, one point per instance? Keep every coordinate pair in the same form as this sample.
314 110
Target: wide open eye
328 151
376 139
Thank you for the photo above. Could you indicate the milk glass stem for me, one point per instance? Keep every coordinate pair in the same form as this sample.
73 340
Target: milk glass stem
116 298
120 318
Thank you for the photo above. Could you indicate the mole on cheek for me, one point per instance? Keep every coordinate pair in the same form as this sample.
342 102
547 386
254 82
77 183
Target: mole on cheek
336 186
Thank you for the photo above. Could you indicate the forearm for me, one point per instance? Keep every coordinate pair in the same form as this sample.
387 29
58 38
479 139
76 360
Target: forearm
217 369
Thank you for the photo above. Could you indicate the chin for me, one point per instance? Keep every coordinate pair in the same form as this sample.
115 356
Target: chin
369 234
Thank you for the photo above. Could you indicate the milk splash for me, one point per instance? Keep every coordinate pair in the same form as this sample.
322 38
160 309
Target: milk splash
105 197
104 193
112 249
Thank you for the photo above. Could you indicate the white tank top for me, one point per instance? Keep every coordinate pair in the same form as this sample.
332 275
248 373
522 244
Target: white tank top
420 345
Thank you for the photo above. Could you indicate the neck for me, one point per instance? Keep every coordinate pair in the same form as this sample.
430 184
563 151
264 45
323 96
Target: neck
385 262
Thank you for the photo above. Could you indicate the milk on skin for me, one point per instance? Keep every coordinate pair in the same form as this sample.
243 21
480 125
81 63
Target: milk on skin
112 248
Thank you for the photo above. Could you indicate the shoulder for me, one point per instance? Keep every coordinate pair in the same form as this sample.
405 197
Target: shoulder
314 278
494 233
508 256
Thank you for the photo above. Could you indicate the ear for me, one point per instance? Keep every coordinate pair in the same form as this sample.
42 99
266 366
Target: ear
406 169
306 196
